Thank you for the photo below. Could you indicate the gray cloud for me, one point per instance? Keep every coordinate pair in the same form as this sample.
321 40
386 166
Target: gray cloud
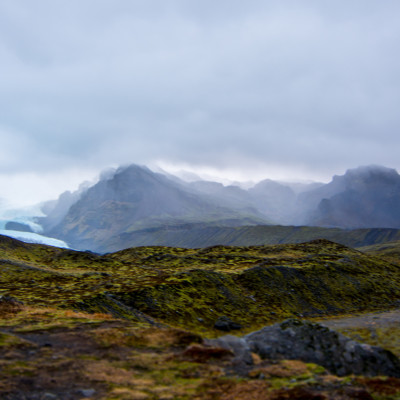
311 86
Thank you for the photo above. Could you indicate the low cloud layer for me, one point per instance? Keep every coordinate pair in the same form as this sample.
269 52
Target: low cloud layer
306 88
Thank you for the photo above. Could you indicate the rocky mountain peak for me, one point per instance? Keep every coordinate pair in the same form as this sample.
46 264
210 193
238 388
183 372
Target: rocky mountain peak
367 175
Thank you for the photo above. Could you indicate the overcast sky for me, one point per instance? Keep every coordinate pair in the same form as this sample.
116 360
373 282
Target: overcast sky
245 89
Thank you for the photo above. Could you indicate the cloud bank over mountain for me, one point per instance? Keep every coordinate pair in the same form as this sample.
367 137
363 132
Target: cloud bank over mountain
295 89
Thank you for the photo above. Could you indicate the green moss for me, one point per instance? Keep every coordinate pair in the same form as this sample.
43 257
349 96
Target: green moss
191 288
8 340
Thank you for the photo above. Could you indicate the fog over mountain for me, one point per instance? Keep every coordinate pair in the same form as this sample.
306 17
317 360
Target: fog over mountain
134 199
363 198
243 90
134 205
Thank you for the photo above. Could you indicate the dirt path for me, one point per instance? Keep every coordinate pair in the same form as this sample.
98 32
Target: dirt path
379 319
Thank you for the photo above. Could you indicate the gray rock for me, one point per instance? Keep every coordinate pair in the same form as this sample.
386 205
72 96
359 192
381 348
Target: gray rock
226 324
311 342
242 361
17 226
238 346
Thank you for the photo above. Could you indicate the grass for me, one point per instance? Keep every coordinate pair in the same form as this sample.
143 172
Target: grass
191 288
126 325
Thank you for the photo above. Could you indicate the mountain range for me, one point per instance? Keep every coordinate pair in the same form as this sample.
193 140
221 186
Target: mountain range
136 206
135 198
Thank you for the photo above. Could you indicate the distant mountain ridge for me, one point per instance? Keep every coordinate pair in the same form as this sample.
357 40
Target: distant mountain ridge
365 197
135 205
136 198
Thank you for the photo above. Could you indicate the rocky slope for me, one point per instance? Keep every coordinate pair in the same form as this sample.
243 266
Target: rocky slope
203 235
364 197
135 198
132 324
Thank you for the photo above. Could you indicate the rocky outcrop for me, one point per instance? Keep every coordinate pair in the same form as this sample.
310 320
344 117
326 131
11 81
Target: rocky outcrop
365 197
311 342
18 226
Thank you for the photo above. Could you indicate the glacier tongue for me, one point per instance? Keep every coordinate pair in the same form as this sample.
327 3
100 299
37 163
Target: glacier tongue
30 237
26 216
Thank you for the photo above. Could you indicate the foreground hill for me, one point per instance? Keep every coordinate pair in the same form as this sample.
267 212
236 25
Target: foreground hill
54 354
131 324
194 287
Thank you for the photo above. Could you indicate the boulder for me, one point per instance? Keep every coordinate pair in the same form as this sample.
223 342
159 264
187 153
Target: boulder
295 339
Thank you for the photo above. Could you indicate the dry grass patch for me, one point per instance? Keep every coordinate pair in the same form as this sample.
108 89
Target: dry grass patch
122 393
104 371
145 337
284 369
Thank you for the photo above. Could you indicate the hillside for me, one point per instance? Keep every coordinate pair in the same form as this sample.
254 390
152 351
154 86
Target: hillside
389 250
203 235
132 324
181 286
54 346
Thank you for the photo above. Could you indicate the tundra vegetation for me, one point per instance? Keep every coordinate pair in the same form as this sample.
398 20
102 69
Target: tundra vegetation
141 323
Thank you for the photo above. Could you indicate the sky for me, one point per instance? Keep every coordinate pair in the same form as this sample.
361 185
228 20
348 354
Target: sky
293 90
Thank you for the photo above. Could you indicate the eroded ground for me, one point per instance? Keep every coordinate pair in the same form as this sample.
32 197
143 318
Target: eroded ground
55 354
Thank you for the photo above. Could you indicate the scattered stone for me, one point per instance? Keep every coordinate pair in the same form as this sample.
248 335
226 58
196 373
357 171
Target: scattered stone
225 324
87 392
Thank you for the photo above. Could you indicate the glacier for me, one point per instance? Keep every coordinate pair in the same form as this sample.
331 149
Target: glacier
27 216
31 237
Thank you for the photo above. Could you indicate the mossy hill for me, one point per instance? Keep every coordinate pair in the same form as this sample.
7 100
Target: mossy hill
191 288
388 250
78 325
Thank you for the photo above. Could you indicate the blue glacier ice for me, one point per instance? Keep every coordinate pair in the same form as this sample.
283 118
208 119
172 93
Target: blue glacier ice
30 237
27 216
